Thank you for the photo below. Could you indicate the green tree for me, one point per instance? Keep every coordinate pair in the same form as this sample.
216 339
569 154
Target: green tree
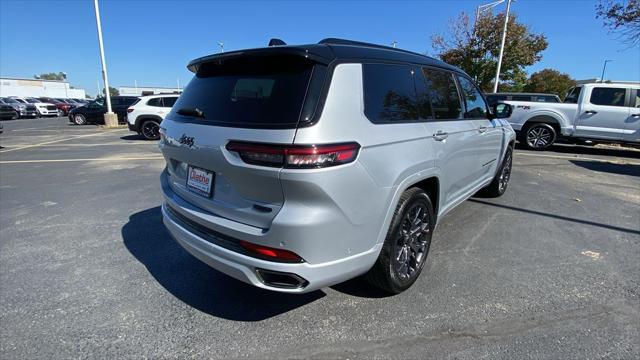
621 17
475 48
51 76
112 91
549 81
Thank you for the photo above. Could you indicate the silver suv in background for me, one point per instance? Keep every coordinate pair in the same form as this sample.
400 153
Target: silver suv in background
293 168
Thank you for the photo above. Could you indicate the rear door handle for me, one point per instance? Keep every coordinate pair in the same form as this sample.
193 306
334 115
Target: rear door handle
590 112
482 129
440 135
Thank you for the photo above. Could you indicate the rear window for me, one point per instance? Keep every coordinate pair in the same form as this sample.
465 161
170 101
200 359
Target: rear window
155 102
607 96
248 92
169 101
443 94
389 93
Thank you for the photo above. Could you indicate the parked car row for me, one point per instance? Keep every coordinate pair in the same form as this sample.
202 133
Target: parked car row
31 107
143 115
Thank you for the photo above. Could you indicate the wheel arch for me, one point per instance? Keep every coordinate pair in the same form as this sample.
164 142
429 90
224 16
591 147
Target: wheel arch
549 119
142 118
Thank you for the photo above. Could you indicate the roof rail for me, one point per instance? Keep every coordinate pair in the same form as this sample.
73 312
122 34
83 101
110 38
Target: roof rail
336 41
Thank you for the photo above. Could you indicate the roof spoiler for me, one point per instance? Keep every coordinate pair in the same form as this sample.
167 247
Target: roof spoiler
319 55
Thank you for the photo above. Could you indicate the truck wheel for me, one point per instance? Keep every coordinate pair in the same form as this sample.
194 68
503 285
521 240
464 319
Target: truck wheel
538 136
500 182
406 246
150 130
79 119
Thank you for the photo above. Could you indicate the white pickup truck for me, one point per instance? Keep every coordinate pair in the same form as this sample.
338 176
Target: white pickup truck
600 112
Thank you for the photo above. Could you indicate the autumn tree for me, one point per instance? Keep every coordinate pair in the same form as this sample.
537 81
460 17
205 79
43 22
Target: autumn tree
475 48
51 76
549 81
112 91
621 17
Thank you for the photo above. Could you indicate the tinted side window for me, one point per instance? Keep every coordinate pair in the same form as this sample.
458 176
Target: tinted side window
443 94
475 106
389 93
169 101
521 98
607 96
157 102
128 101
573 95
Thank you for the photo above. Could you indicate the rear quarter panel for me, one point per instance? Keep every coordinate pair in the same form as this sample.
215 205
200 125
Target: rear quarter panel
392 157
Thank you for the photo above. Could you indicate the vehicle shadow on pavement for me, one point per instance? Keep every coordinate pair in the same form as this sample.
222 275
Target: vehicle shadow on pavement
132 137
197 284
558 217
621 169
589 150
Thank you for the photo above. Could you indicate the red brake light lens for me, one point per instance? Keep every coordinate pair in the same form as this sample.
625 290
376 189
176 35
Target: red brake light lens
295 156
271 253
129 110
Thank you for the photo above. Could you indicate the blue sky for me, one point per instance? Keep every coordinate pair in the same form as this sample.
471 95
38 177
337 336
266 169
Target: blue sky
152 41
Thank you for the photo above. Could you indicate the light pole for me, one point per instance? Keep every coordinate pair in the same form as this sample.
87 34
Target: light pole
394 43
604 67
221 44
110 119
504 37
482 8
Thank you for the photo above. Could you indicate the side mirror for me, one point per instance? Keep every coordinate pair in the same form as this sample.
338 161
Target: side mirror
501 111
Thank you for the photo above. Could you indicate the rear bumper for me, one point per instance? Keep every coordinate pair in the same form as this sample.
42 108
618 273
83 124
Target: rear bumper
244 267
133 127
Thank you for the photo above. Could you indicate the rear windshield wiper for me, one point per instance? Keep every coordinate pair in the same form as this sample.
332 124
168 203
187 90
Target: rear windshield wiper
194 112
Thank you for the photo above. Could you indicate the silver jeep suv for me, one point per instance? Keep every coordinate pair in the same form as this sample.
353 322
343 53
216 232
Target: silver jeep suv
294 168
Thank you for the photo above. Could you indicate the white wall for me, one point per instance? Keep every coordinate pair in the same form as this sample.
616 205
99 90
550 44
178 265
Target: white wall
38 88
137 91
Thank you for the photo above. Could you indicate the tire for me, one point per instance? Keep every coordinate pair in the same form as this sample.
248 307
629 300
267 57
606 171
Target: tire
406 246
60 113
501 181
79 119
538 136
150 129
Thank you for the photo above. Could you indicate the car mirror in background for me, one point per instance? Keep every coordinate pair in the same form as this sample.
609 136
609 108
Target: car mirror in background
501 110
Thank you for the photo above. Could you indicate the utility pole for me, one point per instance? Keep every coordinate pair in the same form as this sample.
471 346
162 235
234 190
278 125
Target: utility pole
504 37
110 119
603 69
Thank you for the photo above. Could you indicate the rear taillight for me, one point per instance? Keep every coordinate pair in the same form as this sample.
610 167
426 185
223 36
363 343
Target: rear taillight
271 253
129 110
295 156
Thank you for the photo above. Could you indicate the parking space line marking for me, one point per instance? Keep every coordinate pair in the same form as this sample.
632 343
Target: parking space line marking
619 162
60 140
89 145
79 160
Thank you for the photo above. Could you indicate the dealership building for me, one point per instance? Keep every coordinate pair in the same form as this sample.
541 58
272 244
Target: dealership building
38 88
146 90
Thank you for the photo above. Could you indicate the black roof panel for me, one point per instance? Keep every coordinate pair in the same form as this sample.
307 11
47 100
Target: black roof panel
330 50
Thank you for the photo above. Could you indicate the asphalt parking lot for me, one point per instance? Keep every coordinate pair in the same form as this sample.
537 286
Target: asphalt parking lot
550 270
